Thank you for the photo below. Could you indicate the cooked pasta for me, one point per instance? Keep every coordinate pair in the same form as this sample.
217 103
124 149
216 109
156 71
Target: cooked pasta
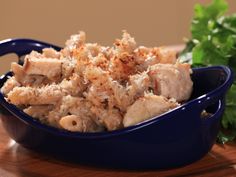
86 87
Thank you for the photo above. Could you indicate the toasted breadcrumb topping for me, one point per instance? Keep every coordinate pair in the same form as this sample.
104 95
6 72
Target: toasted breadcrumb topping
87 87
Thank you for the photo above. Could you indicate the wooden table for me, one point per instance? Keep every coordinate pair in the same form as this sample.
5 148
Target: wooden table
16 161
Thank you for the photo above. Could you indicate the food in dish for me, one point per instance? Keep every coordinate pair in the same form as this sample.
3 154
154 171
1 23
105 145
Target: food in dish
87 87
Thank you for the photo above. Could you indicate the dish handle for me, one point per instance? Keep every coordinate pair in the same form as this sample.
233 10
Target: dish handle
22 47
216 97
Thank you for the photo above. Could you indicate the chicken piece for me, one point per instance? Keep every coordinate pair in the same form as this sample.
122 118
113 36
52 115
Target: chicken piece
171 81
35 96
147 107
78 124
139 83
120 97
124 96
49 67
149 61
9 85
109 118
146 57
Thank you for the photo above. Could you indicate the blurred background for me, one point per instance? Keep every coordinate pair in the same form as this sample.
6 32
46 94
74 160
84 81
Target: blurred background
151 22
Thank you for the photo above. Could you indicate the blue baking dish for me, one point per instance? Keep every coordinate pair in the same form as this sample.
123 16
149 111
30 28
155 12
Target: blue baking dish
174 139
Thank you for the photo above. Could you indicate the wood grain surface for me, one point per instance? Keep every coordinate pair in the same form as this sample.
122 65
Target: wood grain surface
17 161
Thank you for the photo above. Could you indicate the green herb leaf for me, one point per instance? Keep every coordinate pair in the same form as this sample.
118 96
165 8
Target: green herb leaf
214 43
205 18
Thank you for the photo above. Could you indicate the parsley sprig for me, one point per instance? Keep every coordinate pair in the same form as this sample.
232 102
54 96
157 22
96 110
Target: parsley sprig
213 42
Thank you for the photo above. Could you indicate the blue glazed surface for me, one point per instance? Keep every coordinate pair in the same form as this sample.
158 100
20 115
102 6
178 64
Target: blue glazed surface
174 139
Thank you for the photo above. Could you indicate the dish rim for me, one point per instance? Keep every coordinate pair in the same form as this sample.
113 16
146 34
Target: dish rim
105 134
